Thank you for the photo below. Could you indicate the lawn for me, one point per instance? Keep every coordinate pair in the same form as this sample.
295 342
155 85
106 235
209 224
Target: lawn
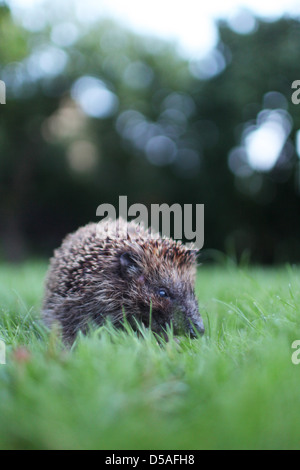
234 388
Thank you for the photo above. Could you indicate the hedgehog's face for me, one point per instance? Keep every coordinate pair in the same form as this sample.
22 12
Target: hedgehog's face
175 305
161 298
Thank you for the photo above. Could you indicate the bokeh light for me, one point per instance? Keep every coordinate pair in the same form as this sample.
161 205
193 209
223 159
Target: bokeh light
94 97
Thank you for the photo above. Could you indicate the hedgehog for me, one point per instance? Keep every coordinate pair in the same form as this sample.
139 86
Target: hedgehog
121 271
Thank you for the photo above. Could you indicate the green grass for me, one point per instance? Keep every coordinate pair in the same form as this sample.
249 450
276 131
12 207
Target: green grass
234 388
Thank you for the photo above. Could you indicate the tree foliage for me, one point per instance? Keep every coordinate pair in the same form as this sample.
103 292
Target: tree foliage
167 133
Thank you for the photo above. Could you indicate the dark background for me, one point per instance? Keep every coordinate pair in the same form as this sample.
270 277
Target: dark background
170 132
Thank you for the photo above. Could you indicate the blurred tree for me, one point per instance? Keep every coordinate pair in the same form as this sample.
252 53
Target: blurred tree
259 206
97 112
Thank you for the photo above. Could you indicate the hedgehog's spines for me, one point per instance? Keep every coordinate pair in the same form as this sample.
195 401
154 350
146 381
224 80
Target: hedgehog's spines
85 280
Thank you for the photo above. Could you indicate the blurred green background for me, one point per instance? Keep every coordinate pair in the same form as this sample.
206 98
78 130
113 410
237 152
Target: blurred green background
94 111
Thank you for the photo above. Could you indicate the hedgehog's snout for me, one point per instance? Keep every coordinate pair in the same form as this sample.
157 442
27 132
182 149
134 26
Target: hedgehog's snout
196 328
187 319
193 320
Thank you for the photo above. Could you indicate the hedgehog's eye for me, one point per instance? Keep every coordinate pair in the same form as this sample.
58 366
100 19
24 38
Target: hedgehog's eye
163 293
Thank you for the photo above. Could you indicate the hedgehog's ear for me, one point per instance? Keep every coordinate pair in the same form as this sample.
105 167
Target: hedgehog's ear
128 265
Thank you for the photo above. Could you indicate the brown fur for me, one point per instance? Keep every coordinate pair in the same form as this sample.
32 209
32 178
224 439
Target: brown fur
107 271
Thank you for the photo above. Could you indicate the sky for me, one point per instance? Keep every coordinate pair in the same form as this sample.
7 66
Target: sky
191 24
